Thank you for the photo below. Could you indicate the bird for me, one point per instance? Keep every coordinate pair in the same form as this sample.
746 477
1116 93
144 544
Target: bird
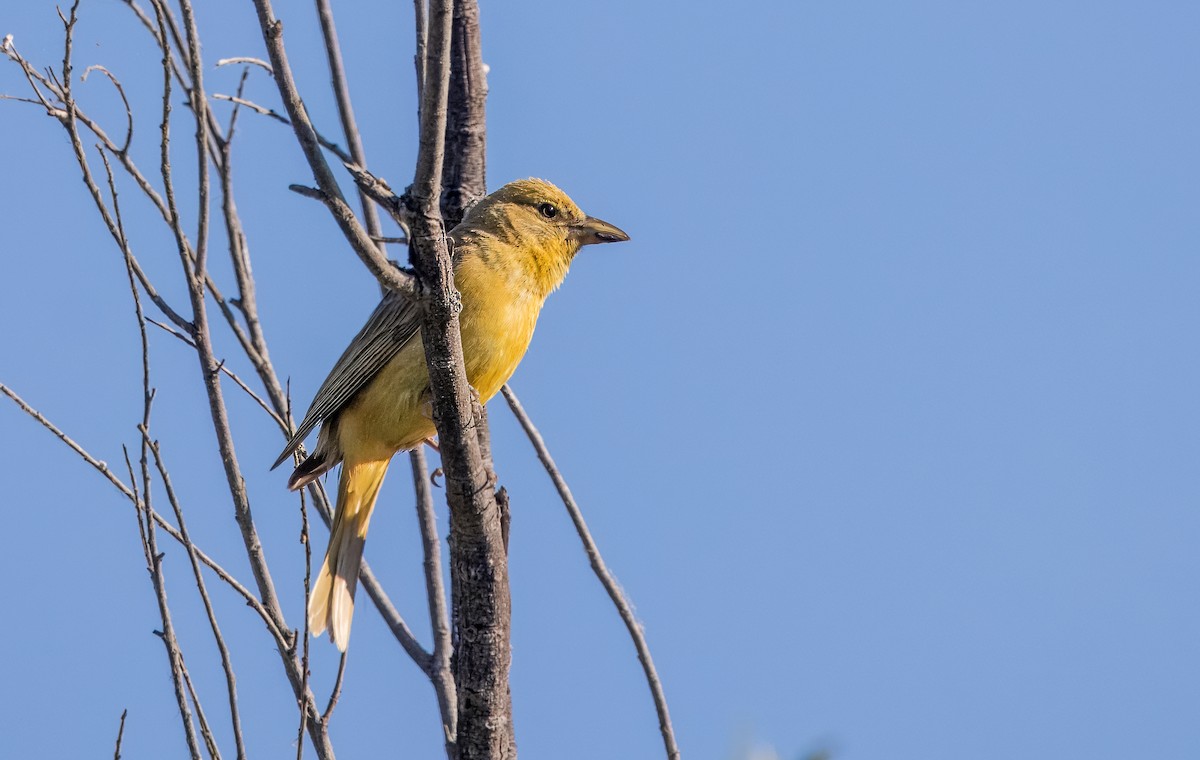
511 250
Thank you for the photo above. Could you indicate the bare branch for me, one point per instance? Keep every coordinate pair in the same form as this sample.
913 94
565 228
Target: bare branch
308 192
226 144
31 76
120 91
167 634
439 618
222 647
130 493
601 570
17 99
246 60
337 690
421 13
120 735
146 526
304 539
329 145
170 642
262 110
378 190
465 169
101 467
209 371
359 238
478 567
283 425
69 116
210 742
200 109
341 92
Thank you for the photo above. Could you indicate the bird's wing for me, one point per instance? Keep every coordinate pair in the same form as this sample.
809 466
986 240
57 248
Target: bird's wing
391 326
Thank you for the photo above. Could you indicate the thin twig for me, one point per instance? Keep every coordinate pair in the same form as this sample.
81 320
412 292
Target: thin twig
69 116
99 466
194 275
358 237
341 92
439 617
337 690
226 662
326 143
120 735
228 373
222 648
137 507
130 493
146 529
246 60
606 578
378 190
226 143
199 109
304 539
120 91
151 193
210 742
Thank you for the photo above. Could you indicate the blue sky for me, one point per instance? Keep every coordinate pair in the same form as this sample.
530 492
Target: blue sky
886 418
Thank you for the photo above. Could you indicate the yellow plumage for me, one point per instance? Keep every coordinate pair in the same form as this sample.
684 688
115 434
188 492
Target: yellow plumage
512 250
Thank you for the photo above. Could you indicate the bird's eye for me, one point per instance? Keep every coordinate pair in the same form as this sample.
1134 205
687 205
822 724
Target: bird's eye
547 210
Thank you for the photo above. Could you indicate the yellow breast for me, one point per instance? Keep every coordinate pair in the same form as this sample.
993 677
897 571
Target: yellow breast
497 322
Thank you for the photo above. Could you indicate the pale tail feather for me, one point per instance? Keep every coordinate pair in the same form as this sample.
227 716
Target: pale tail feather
332 604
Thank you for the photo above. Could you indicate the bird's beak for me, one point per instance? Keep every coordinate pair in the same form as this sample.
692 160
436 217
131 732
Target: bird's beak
592 230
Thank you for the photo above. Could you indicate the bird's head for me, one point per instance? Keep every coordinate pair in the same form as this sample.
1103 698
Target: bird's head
540 224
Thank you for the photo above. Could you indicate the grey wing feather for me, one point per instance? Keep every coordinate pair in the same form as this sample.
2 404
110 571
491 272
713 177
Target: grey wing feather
390 327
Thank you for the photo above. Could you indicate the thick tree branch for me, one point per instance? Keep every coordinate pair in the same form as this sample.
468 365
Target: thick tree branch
479 564
438 664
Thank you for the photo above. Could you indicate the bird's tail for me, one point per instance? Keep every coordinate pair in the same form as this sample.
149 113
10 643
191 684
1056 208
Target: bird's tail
332 603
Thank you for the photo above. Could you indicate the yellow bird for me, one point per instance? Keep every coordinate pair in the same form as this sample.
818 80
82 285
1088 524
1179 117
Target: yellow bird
510 251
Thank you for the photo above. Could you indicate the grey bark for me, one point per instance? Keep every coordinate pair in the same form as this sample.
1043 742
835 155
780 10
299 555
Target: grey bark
464 172
478 561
